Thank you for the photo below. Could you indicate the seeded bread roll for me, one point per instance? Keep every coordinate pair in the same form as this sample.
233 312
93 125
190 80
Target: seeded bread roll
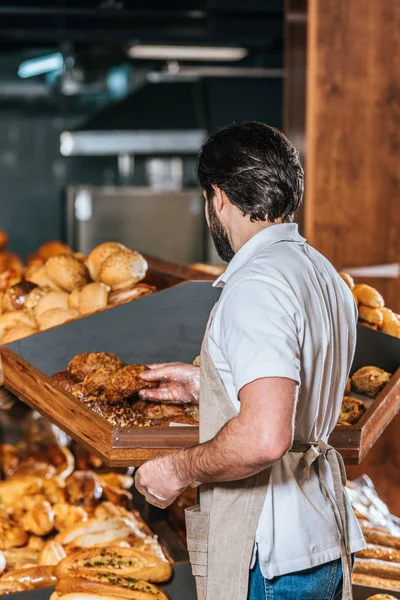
99 254
123 269
52 248
39 276
67 272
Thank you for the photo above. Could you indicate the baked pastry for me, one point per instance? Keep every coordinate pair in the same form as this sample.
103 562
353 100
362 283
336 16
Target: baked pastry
351 411
51 554
381 539
112 588
4 239
126 382
16 317
369 325
390 323
39 520
380 553
56 316
139 291
371 315
52 299
370 381
99 254
14 297
67 272
215 270
67 516
381 597
118 480
52 248
84 487
379 568
32 299
38 275
93 534
368 296
65 381
31 578
10 262
16 333
54 490
347 279
347 389
123 269
98 564
119 414
12 534
93 297
95 382
19 558
86 363
9 460
73 298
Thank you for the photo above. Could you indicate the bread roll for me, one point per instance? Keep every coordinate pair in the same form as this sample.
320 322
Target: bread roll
51 300
390 323
371 315
16 317
94 296
138 291
10 262
56 316
355 298
347 279
368 296
39 276
32 578
15 296
123 269
73 299
32 299
369 325
67 272
52 553
16 333
99 254
52 248
2 562
34 260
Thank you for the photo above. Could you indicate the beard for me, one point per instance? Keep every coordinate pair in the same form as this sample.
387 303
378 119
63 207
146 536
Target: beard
219 235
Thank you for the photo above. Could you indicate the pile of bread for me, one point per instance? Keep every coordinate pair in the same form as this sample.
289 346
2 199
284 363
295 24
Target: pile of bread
75 530
107 386
378 565
372 311
58 285
367 381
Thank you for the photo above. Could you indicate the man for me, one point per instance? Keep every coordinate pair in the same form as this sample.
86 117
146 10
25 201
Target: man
274 520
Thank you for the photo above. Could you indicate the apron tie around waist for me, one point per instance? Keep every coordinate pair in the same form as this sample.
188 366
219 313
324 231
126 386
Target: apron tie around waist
312 453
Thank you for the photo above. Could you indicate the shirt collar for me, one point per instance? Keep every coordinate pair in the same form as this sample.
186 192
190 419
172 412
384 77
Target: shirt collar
282 232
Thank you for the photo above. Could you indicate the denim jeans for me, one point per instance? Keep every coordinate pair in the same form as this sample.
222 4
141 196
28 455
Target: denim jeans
319 583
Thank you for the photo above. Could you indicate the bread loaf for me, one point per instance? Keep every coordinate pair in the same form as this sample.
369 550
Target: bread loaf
93 297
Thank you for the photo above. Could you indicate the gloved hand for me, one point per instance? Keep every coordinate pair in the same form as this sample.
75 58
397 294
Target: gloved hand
179 383
161 480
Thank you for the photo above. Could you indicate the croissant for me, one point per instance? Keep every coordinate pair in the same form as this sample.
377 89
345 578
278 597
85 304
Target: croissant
371 315
66 515
40 519
368 296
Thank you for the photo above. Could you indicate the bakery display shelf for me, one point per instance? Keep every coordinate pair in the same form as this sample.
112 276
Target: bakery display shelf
163 327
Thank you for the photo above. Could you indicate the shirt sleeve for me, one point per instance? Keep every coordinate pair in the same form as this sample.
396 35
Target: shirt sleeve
259 335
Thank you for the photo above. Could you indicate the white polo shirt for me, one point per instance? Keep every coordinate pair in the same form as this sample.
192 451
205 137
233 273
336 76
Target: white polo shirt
285 312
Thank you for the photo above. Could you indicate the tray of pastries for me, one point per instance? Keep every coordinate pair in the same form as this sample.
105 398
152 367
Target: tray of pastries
85 377
57 285
75 530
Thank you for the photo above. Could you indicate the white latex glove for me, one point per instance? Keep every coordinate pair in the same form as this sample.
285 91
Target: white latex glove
179 383
161 480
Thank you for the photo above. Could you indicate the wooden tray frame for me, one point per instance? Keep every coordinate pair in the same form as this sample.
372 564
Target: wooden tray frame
133 446
115 447
354 442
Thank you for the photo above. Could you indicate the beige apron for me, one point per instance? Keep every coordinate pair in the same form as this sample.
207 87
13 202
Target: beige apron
221 531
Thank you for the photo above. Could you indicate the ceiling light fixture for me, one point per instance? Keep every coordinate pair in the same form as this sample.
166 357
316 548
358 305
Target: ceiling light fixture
202 53
41 65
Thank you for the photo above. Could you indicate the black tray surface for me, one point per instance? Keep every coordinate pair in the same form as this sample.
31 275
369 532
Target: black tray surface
164 327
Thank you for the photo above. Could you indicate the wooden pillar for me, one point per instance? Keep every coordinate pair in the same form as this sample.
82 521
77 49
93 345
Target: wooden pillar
352 206
352 210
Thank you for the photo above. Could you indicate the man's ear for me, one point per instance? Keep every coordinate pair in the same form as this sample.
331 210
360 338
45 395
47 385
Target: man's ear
220 198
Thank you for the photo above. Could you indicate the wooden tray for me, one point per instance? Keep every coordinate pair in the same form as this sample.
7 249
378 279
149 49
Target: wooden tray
164 327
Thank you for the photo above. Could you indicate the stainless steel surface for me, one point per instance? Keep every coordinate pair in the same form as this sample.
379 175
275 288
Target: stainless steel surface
169 225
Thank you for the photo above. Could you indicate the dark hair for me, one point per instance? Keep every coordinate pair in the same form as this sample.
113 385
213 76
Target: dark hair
258 169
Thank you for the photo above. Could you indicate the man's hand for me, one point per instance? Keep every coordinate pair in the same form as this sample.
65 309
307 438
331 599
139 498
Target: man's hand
179 383
161 480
